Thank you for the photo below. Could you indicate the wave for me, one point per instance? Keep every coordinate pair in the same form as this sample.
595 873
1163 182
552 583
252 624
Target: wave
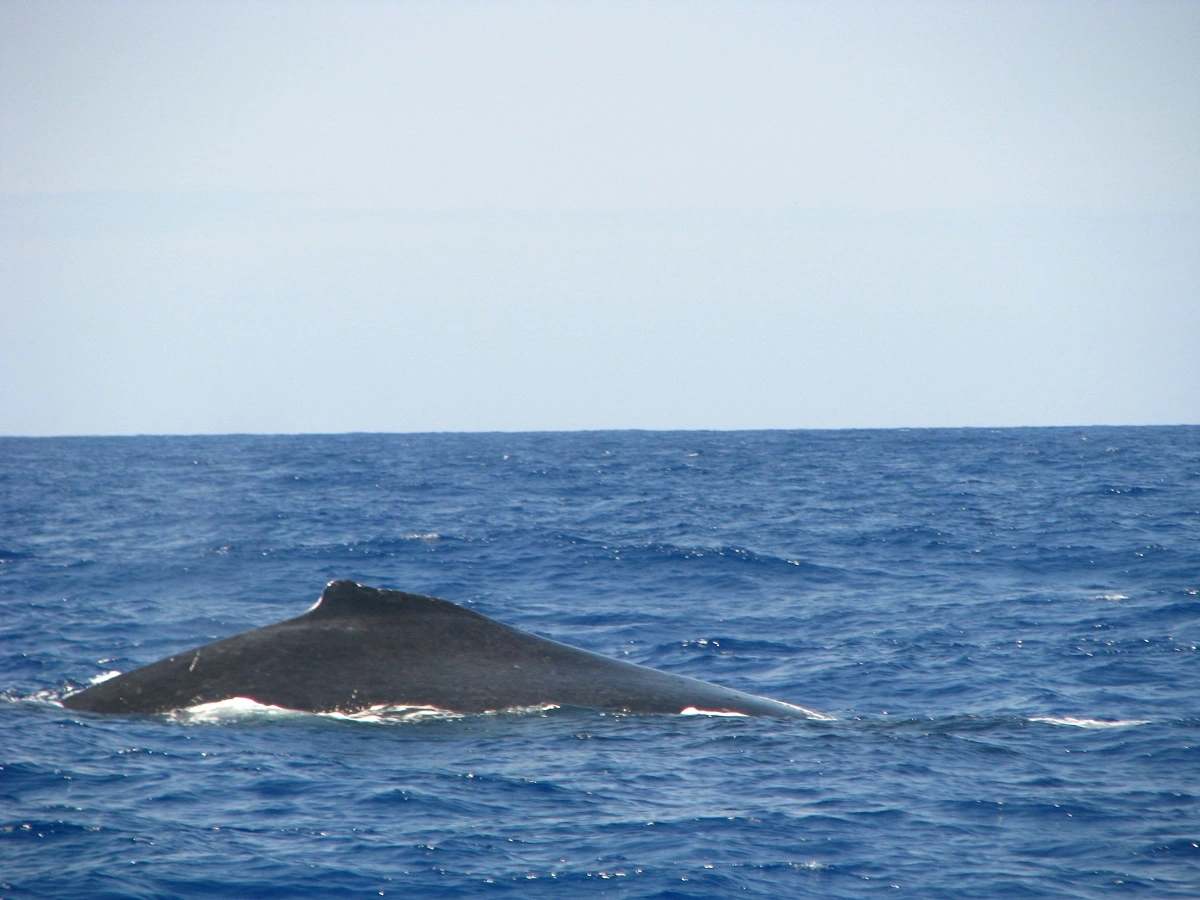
968 723
844 720
1079 722
243 709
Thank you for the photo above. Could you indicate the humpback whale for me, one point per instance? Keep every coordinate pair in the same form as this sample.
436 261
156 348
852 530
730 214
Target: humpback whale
361 647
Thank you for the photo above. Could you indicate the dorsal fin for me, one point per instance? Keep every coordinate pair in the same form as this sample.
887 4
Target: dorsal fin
349 598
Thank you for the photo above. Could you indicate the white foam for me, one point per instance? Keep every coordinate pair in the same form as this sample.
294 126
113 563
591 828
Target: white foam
231 710
382 713
46 695
243 708
693 711
238 709
811 713
1077 722
726 713
56 695
388 713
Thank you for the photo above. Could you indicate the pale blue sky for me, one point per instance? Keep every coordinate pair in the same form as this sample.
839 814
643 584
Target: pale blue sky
412 216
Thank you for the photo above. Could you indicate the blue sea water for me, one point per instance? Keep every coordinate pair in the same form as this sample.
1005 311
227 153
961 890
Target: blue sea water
1004 622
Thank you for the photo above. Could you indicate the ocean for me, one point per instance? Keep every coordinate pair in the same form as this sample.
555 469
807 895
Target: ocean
1004 624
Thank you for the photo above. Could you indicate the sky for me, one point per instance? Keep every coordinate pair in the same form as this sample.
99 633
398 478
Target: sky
282 217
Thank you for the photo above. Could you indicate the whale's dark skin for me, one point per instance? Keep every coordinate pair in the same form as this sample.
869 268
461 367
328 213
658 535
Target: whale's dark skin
360 647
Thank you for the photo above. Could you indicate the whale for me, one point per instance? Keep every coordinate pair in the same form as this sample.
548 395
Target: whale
362 648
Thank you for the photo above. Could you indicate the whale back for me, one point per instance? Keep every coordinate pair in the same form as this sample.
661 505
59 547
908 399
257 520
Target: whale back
361 647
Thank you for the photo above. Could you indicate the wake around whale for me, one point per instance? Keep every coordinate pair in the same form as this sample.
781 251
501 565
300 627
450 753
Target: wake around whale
361 648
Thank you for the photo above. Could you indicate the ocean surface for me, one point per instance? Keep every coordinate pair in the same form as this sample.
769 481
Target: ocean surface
1003 622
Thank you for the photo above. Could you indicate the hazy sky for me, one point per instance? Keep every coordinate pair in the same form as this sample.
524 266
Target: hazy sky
413 216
